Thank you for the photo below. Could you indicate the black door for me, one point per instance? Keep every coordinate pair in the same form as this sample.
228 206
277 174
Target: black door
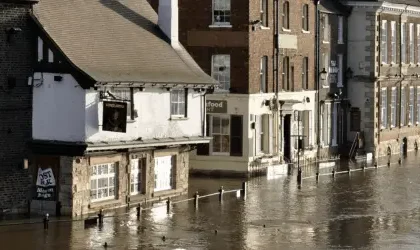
286 136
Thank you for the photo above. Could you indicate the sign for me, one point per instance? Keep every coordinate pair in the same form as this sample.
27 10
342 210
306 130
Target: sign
45 184
216 107
114 117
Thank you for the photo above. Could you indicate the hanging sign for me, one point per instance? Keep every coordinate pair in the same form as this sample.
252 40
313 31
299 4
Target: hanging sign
115 117
45 184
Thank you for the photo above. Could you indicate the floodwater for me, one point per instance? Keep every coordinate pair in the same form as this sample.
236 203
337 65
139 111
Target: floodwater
374 209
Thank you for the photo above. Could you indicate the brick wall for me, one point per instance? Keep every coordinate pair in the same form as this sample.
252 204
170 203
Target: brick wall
15 103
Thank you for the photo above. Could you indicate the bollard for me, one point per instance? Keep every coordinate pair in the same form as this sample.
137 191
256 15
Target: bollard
168 205
100 217
244 189
221 193
46 220
138 211
196 196
349 170
333 173
299 176
389 164
399 161
375 164
317 176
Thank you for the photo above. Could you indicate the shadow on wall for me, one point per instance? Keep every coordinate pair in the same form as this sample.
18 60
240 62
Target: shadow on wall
134 17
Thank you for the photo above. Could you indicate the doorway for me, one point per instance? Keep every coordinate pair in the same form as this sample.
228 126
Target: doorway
286 138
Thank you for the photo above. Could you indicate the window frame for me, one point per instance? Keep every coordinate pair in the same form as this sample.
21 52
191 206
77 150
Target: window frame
418 105
223 77
384 108
286 15
263 74
404 43
393 43
305 17
325 28
384 42
106 176
393 123
157 187
264 12
340 62
221 134
340 31
137 167
411 95
221 23
403 110
286 73
418 43
411 43
178 102
305 73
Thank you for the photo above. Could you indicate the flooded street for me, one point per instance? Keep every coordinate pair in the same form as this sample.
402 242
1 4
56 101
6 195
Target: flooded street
374 209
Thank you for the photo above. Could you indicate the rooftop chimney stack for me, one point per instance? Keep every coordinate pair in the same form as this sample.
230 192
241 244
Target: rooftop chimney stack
168 19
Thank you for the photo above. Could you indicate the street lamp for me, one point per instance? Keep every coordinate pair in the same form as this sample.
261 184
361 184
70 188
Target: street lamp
323 74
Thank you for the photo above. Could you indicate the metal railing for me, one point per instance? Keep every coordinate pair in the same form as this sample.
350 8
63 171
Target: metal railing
353 146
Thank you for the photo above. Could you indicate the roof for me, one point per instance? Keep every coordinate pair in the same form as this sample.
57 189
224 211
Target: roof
116 41
408 2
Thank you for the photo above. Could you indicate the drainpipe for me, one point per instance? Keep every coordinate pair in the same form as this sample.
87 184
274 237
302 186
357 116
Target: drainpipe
318 107
276 69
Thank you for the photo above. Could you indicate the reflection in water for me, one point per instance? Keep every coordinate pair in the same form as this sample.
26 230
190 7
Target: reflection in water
375 209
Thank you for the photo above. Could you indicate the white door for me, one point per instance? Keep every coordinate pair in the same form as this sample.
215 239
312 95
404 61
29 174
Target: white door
163 173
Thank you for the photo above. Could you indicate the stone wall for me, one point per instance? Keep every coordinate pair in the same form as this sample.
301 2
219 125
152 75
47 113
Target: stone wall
74 190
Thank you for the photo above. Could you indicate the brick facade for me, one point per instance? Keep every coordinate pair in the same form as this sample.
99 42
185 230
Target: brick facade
15 103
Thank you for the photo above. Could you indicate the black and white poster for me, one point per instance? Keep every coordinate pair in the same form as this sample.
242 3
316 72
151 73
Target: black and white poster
114 117
45 184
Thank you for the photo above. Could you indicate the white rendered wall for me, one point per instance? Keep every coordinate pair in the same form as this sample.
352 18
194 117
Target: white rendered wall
153 121
58 108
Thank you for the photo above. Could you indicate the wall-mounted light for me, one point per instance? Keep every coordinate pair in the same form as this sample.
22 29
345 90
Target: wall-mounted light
12 31
141 88
323 74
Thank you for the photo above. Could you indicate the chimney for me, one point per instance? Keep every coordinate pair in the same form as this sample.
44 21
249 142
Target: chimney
168 19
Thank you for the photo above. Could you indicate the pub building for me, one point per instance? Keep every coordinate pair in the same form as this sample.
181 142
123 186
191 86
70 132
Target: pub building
118 104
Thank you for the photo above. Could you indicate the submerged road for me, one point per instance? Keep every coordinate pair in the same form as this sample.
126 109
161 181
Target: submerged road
375 209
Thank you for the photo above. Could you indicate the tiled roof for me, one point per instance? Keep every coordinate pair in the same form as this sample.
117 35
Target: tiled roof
116 41
409 2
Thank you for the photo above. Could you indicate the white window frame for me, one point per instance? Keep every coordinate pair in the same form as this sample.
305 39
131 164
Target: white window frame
221 134
136 175
403 101
384 108
334 123
393 42
325 28
264 13
163 185
340 29
327 123
178 107
222 5
218 62
384 42
111 170
340 62
411 37
403 43
411 106
418 43
393 107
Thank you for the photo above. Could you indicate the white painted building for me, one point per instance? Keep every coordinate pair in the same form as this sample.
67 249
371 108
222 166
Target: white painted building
117 106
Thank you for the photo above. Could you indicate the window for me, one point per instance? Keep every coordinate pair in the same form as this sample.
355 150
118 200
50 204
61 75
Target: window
326 121
286 24
418 105
394 107
220 131
125 95
340 29
403 43
103 182
178 102
411 107
384 109
286 82
136 175
393 43
325 28
163 173
418 43
340 70
221 70
221 12
305 17
411 37
334 123
305 78
263 135
263 74
402 108
264 12
384 42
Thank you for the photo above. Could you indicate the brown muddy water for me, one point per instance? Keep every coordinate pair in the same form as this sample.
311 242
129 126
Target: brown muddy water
374 209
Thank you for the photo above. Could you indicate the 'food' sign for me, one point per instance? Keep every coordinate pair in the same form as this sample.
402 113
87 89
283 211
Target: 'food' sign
216 107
